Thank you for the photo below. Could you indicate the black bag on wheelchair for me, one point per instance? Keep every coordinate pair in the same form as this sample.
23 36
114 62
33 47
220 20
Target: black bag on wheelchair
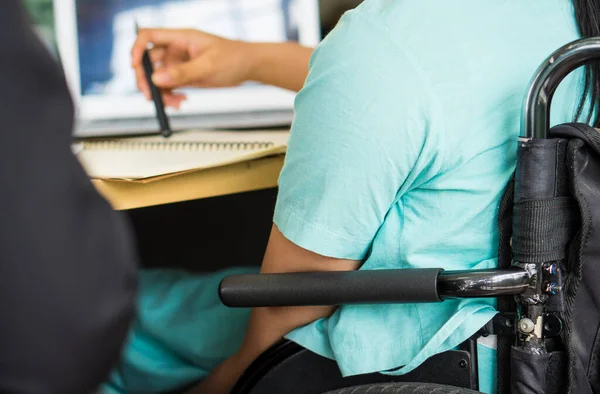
556 236
547 283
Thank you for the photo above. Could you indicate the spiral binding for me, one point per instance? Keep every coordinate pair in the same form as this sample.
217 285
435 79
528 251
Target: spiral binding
197 146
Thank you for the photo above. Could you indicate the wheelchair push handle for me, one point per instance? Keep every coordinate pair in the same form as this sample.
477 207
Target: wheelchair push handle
369 287
536 109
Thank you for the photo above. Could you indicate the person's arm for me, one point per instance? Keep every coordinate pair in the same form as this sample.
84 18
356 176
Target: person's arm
67 262
269 325
284 65
185 57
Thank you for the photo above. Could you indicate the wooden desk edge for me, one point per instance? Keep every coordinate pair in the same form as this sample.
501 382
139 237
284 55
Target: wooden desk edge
235 178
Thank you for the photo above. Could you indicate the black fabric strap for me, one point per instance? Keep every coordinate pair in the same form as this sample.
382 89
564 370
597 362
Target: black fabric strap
542 228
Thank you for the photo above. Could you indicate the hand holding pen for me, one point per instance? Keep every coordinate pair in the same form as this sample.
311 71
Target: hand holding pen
197 59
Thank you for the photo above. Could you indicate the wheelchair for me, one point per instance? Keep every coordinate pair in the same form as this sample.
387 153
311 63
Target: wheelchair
547 283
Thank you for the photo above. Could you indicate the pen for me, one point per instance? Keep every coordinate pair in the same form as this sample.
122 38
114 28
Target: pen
159 105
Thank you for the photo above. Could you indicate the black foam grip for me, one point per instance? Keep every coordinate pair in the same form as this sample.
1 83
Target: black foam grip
331 288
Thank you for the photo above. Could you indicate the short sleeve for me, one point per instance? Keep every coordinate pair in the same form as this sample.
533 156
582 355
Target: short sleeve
359 128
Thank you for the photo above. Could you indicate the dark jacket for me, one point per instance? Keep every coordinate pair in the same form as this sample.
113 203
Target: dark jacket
67 262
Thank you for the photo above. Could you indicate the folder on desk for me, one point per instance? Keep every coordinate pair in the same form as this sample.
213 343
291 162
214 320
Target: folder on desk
144 159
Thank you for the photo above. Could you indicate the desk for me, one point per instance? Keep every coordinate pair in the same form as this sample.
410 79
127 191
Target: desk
179 225
231 179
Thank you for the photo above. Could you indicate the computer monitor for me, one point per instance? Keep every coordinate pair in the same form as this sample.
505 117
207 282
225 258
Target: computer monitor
94 40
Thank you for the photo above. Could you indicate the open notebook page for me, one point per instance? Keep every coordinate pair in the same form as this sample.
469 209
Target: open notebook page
145 157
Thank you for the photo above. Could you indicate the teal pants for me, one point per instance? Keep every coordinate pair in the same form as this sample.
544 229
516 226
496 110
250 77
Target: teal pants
181 333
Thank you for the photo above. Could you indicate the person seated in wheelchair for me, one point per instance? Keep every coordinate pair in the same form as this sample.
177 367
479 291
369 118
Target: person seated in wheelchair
403 141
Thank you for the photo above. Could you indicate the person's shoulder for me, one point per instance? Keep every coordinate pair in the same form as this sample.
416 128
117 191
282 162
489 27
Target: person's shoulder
363 45
363 62
398 20
363 88
390 32
377 20
360 63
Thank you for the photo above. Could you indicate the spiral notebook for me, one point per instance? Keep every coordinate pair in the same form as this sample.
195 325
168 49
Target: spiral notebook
148 157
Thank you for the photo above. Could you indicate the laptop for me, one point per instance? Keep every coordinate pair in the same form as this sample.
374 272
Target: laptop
94 40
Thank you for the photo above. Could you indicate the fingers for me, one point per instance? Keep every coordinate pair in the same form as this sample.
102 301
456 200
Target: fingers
184 74
174 99
157 37
142 84
157 56
166 43
171 99
168 46
160 57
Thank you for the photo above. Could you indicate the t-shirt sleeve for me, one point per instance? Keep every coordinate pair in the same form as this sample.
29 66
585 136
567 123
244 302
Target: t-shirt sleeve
359 128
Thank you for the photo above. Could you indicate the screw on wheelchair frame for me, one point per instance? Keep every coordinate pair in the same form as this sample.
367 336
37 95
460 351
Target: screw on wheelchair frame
526 325
535 119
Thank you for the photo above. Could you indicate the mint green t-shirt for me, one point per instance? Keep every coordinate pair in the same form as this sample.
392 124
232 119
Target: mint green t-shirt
403 141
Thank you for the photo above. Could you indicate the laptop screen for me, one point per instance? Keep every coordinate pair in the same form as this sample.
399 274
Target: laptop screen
95 39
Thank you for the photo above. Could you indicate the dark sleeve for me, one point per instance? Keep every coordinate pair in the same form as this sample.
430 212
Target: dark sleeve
67 263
